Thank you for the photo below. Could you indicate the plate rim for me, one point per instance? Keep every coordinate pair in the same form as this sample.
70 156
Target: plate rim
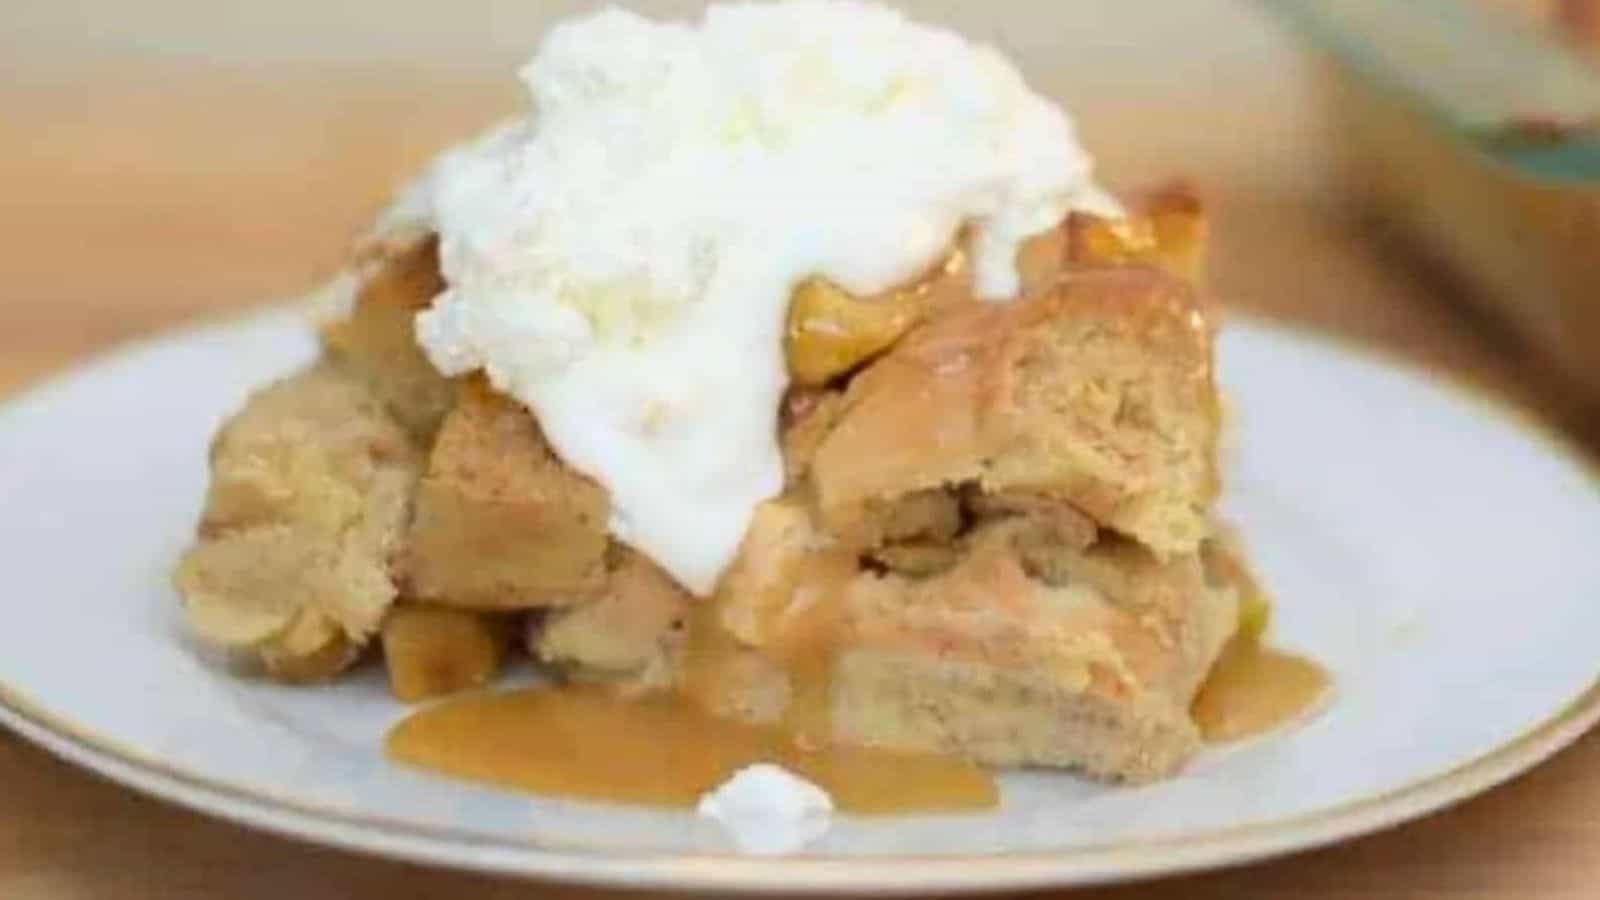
892 874
889 875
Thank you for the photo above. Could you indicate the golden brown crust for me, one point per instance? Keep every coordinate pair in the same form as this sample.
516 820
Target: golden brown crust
1097 392
501 523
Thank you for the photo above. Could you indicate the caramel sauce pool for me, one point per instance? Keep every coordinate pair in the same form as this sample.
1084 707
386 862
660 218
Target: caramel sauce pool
664 750
587 743
1254 689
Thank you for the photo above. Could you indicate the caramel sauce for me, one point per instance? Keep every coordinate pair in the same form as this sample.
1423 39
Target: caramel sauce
660 750
806 643
707 655
1254 689
802 626
669 749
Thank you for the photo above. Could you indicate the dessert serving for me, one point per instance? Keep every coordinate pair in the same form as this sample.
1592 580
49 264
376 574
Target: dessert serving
786 390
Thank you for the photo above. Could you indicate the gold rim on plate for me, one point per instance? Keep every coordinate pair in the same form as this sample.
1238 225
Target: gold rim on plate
896 874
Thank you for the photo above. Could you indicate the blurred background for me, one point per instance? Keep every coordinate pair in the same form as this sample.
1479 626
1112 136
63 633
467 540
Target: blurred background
175 158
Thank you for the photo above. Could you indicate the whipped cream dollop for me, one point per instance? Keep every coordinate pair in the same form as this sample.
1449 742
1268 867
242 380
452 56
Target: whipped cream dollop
621 260
766 809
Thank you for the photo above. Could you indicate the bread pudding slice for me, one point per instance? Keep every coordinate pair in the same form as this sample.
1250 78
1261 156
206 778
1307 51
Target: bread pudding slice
996 551
1020 652
1097 391
995 539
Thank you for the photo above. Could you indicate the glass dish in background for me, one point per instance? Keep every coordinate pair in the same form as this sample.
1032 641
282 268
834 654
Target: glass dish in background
1474 136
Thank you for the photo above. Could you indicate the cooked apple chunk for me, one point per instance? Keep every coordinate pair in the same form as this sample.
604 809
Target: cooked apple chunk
1165 228
830 332
431 651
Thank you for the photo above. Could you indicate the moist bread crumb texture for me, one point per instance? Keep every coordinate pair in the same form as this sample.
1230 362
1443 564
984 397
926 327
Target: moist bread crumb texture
500 523
311 489
996 538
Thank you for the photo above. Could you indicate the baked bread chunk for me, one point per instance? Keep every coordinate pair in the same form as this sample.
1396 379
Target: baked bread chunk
1097 391
501 523
1034 639
989 663
311 488
998 525
630 631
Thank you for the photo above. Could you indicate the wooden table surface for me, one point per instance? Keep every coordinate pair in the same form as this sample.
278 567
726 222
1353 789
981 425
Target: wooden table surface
131 203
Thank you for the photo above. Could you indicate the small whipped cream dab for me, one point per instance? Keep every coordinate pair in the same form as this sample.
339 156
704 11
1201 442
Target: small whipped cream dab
766 809
622 259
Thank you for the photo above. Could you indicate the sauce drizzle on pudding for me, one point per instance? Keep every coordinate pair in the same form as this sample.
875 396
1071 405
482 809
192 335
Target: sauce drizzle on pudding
1254 689
668 749
664 750
661 750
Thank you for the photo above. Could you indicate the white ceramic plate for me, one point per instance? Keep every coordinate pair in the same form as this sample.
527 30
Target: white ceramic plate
1437 556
